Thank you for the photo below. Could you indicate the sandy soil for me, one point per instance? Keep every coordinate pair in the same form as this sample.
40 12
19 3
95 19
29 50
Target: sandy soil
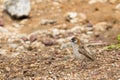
30 50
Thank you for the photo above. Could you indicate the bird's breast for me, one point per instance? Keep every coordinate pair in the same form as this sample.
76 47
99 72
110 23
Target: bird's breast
76 53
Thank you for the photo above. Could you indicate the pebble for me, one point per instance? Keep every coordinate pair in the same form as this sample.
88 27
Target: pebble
55 32
23 21
47 21
24 38
89 25
89 32
117 7
2 52
33 37
49 42
4 30
72 17
94 1
7 69
89 28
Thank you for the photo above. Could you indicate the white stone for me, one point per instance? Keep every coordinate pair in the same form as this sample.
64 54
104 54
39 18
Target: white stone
2 52
4 30
55 32
94 1
89 32
117 7
18 8
72 15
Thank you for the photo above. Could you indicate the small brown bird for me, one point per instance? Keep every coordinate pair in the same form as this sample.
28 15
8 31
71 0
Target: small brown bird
79 49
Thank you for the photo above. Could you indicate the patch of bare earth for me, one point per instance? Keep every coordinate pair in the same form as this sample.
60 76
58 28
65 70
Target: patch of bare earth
30 49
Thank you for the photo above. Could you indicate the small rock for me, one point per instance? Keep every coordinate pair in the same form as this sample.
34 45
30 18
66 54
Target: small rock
2 52
89 28
23 21
94 1
55 32
89 25
24 38
18 8
4 30
33 37
89 32
117 7
48 21
49 42
72 15
7 69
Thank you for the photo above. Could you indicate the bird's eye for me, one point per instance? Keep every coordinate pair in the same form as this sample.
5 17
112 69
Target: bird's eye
73 39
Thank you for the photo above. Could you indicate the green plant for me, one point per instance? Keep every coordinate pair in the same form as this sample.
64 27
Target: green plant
118 37
114 46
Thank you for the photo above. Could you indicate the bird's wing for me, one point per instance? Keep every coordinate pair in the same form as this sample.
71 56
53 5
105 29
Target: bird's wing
86 53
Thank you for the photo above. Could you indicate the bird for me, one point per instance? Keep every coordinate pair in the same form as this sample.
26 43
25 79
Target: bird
79 50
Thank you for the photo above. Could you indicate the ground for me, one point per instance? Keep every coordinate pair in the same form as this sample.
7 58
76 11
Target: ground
31 50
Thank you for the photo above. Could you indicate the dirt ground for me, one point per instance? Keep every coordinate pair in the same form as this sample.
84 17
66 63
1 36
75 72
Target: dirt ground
30 49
